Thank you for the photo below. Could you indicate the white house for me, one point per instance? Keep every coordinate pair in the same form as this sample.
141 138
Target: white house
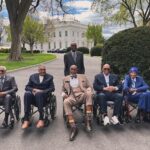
64 33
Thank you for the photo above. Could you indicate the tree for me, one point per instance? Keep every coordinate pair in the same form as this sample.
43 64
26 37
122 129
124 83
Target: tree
94 33
17 11
33 32
136 12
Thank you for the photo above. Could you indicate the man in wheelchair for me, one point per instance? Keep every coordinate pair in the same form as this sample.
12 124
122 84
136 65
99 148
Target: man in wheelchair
108 88
135 89
37 91
8 88
77 90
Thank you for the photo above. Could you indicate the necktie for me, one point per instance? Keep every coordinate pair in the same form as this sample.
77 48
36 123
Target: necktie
74 56
73 76
1 83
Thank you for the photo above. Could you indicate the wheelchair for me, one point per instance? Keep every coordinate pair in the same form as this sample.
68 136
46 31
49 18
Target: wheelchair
14 112
49 110
80 107
97 114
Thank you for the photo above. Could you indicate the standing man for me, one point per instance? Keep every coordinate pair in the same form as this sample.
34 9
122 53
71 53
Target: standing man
74 57
8 88
108 88
39 86
77 90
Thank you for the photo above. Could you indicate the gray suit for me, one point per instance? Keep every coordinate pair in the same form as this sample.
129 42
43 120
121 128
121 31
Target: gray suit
69 61
10 87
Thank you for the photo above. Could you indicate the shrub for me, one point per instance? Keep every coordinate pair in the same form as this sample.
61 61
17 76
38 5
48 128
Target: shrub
4 50
128 48
84 50
96 51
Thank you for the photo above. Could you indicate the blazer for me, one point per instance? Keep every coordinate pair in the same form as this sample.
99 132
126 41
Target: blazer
68 61
47 85
83 84
9 85
140 84
100 83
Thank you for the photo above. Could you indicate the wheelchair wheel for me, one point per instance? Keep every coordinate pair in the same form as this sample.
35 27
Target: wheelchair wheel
46 122
53 106
17 108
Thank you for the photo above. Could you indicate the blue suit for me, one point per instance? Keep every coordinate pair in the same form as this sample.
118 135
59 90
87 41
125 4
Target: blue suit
142 96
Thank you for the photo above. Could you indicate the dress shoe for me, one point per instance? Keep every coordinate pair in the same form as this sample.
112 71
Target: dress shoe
40 124
88 126
73 134
5 124
106 121
25 125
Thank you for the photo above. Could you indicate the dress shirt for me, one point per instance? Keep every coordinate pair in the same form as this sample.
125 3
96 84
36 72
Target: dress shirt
41 78
133 82
74 55
106 79
74 82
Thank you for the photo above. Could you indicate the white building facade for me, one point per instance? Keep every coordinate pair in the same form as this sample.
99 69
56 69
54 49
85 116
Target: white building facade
64 33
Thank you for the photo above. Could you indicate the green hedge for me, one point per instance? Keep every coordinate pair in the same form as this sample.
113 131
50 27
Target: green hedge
4 50
96 51
84 50
128 48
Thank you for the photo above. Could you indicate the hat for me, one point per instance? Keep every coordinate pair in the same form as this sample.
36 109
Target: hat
134 69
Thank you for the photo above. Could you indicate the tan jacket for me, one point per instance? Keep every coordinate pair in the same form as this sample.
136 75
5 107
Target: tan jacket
83 84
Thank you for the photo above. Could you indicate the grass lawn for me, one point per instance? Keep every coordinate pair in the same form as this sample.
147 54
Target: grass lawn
27 61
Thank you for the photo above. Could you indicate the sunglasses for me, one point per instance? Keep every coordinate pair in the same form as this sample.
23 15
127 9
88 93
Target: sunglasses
106 68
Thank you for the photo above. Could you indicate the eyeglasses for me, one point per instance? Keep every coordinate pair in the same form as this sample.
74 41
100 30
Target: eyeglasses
73 69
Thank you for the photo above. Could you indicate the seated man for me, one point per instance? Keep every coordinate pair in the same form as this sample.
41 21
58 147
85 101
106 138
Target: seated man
37 90
108 88
136 90
77 90
8 88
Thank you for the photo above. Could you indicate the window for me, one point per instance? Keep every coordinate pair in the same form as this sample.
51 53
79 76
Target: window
59 33
66 33
41 45
77 34
82 43
60 45
66 44
83 34
54 35
54 45
49 45
72 33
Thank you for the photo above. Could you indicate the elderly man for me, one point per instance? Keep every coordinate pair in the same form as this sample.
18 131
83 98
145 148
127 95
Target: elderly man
74 57
136 90
108 88
39 86
8 88
77 90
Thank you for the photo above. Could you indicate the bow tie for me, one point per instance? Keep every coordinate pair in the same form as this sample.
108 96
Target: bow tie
74 76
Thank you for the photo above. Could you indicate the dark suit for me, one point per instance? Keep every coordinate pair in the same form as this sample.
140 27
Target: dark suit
39 99
10 87
142 96
104 96
69 60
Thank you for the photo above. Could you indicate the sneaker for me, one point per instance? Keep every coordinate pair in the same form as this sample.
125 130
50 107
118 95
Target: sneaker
106 121
114 120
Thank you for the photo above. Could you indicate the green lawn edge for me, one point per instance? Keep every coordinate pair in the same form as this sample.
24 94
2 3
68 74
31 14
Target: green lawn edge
28 60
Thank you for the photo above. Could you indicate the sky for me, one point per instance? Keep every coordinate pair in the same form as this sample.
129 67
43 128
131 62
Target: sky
80 10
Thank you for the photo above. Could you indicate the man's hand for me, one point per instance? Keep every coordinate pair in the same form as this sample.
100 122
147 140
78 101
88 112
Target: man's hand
132 90
34 91
2 94
65 96
109 88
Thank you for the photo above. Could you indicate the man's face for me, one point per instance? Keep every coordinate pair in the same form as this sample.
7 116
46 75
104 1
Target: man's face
73 47
2 72
42 70
73 70
106 69
133 75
